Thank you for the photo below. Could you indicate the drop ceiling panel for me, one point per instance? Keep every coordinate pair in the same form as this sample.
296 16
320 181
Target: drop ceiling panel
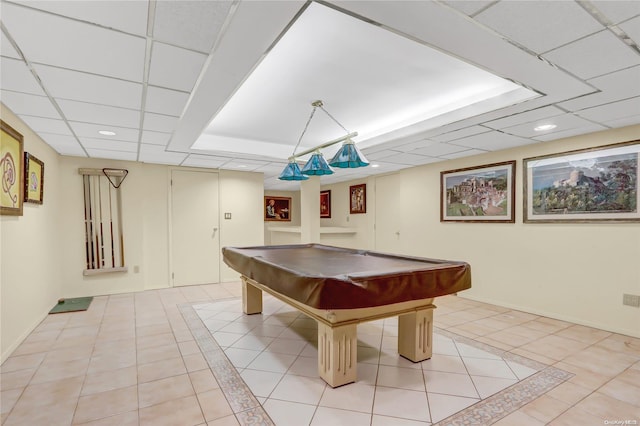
90 130
107 144
46 125
587 128
14 75
244 165
65 145
165 101
540 25
626 121
380 155
618 11
461 154
386 167
191 24
80 86
406 147
22 103
157 154
525 117
208 161
613 111
462 133
155 138
174 68
72 44
112 155
159 123
613 87
6 48
127 16
632 28
493 141
469 7
564 122
439 149
593 56
99 114
410 159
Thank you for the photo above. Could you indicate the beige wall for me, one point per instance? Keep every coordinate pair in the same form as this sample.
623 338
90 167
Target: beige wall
145 208
361 223
42 252
573 272
30 276
241 195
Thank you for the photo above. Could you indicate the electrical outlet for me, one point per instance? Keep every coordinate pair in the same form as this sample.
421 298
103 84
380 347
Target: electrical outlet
631 300
227 215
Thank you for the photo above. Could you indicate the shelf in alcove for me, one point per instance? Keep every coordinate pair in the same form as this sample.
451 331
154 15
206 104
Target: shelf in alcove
323 229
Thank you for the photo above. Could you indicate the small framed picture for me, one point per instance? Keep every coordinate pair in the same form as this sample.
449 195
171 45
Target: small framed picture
33 179
358 199
277 209
325 204
478 194
589 185
12 166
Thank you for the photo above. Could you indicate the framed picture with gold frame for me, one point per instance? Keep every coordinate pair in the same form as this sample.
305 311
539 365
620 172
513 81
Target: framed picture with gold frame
11 171
33 179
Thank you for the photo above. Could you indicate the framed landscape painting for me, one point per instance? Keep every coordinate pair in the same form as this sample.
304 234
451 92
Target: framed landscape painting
478 194
33 179
589 185
277 209
12 170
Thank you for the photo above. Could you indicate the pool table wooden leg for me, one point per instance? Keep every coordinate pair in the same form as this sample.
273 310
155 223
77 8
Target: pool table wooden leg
251 298
415 334
337 353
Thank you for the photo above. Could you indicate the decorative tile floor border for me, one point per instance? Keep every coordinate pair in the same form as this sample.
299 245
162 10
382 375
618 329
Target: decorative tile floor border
244 404
505 402
248 410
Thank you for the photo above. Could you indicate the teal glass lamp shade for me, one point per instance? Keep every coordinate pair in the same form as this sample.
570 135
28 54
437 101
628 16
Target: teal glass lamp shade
349 156
317 166
292 172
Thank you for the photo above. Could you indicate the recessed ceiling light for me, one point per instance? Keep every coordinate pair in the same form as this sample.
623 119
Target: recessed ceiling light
107 132
242 166
544 127
375 165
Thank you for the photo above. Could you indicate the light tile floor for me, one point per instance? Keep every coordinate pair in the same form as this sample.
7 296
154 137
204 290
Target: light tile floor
138 359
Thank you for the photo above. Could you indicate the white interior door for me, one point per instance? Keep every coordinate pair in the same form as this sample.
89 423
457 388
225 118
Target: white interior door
388 214
195 233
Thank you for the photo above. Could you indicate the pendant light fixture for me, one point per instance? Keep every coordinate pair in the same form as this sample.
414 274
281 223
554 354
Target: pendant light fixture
349 156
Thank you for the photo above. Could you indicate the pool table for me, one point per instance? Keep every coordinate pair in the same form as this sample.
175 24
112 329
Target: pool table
340 288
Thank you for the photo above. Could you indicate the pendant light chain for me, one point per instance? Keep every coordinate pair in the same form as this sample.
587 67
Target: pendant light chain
305 129
331 117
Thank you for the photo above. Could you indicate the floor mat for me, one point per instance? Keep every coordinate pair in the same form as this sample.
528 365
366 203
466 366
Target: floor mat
72 305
